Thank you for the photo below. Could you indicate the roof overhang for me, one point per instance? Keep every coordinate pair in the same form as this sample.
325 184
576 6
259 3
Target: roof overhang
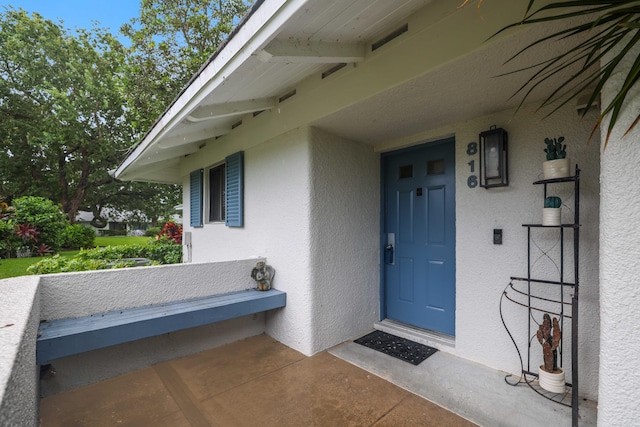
283 42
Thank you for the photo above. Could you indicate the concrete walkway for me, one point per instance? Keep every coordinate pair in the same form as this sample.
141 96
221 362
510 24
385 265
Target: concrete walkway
253 382
260 382
473 391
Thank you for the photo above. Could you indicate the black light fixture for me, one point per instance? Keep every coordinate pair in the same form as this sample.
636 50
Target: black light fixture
494 170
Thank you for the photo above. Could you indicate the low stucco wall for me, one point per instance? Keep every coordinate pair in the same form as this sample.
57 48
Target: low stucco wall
19 320
30 299
84 293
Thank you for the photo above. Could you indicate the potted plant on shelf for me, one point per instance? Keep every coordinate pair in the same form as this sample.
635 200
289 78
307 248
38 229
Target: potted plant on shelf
550 377
557 164
551 211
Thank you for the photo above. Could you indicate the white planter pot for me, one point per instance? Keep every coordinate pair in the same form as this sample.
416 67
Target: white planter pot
551 382
558 168
551 216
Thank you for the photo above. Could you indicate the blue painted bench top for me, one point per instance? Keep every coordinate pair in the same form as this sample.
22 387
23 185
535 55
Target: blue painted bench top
64 337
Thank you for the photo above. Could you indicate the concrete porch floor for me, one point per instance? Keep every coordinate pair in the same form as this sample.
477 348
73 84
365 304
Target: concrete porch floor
260 382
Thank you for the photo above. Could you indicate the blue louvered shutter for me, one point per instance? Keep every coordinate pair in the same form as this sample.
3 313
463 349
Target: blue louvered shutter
235 189
195 200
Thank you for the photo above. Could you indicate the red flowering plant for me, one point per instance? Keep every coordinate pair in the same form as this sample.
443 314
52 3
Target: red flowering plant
28 235
171 231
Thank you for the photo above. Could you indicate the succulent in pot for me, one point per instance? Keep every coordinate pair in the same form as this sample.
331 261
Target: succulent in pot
557 164
551 213
552 202
555 149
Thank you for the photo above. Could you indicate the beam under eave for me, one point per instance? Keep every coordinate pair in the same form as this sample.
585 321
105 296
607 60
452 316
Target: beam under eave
310 52
159 155
218 111
188 138
163 172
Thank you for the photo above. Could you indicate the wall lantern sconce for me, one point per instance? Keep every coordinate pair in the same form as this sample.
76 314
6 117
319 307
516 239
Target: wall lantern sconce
494 170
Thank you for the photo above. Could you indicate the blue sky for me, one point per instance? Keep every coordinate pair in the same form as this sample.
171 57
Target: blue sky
81 13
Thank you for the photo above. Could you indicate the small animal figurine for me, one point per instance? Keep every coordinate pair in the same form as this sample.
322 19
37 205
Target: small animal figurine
263 274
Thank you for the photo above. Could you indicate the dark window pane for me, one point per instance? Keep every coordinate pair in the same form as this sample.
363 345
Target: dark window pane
216 194
435 167
406 171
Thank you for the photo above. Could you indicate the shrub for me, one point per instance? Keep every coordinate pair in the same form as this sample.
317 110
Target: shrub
9 241
152 231
45 216
78 236
56 264
160 252
164 253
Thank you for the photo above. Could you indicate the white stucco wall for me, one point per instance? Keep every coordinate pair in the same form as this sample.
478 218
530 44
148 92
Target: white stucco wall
292 220
345 207
619 268
483 269
295 221
276 223
19 320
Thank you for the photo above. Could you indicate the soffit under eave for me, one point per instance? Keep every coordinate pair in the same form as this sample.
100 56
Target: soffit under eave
284 61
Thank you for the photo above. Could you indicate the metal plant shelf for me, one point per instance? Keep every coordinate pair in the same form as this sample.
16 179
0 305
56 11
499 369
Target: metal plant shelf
568 296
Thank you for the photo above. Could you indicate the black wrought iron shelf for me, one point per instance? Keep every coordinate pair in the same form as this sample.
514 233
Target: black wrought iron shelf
551 226
570 396
550 282
556 180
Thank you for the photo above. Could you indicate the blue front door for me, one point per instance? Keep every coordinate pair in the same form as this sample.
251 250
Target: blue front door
419 228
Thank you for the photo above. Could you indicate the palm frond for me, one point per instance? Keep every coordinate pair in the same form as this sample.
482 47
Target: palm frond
610 26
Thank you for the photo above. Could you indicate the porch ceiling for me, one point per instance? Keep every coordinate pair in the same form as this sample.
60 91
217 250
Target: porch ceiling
471 86
283 43
307 36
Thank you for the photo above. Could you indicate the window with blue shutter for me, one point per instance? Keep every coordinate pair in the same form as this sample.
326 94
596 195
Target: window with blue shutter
234 190
195 203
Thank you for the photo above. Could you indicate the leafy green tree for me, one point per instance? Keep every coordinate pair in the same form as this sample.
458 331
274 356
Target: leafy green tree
61 108
170 41
62 118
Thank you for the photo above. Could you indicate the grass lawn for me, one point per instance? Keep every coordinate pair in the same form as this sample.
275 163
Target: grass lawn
121 240
18 266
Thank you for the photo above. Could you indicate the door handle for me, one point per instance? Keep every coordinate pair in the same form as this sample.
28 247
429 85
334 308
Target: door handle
388 254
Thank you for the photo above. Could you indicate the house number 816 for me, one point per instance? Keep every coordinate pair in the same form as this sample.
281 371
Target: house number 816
472 150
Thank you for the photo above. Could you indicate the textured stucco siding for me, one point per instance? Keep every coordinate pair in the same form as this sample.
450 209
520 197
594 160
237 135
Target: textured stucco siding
84 293
619 266
276 224
483 269
19 320
310 210
345 221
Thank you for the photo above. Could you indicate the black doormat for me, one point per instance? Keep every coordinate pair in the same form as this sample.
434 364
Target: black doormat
400 348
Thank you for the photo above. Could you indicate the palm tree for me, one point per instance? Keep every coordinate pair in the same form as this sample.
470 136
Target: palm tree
610 32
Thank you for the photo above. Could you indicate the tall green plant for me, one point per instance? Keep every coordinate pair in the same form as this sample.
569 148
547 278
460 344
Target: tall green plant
45 216
609 34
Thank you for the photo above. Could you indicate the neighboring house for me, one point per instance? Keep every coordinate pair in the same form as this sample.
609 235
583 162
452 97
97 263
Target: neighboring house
116 223
313 116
